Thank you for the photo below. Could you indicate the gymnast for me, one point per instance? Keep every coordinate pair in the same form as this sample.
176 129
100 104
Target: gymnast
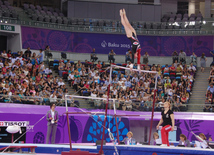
132 36
168 123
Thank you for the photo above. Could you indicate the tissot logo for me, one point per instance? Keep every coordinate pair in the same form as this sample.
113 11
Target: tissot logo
10 123
104 44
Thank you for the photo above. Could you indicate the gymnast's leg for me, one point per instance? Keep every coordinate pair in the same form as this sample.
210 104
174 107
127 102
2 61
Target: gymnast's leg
128 24
125 23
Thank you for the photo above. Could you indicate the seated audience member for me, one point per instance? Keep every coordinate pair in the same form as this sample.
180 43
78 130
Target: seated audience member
148 104
201 143
207 106
191 67
111 56
183 99
4 54
177 105
94 55
210 139
179 68
184 141
172 69
129 140
99 65
128 104
71 78
211 88
128 56
53 97
166 69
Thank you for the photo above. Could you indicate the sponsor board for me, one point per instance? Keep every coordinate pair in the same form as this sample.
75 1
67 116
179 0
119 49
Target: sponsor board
10 123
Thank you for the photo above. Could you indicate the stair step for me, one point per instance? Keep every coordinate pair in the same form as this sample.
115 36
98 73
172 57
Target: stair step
198 97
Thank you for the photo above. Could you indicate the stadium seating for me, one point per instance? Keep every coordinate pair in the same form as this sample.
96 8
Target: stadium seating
7 11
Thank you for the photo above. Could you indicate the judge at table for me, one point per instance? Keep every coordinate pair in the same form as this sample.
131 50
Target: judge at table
129 140
52 118
184 141
157 140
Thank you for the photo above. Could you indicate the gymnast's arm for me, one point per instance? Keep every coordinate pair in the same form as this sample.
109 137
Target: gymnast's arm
173 121
160 122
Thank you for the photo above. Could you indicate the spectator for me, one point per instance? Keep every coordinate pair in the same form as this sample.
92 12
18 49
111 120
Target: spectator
60 83
166 69
193 59
182 57
99 66
104 66
191 67
179 69
176 64
61 69
207 106
212 52
183 99
71 78
9 54
174 56
53 97
47 51
172 69
177 105
4 55
27 53
128 104
129 56
148 104
146 58
203 60
111 56
40 56
94 55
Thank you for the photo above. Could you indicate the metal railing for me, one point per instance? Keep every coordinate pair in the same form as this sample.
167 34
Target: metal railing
32 100
74 102
144 28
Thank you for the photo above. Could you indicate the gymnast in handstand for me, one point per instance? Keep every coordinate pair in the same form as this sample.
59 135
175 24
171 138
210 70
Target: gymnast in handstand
132 36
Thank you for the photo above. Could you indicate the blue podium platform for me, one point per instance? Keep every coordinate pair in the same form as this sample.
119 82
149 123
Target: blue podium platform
155 150
52 148
109 149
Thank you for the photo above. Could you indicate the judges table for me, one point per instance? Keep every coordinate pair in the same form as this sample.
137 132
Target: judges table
154 150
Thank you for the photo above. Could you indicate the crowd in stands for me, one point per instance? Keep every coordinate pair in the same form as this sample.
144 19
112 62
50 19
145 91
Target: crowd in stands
25 76
210 91
25 79
132 90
